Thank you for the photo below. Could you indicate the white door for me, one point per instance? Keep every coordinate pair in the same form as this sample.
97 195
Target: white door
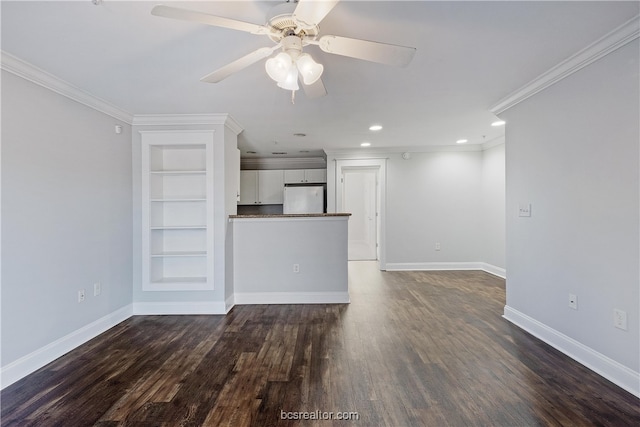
359 197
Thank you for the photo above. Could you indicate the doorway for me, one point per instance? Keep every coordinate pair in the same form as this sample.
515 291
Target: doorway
359 193
360 189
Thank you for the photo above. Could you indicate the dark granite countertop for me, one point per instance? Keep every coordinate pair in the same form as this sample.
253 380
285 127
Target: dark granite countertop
311 215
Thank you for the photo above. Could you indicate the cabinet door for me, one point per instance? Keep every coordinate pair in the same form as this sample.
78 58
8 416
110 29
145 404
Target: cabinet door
293 176
271 187
318 176
248 187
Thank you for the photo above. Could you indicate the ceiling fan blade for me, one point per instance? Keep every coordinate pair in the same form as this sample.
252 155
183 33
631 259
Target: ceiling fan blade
238 64
315 90
309 13
382 53
205 18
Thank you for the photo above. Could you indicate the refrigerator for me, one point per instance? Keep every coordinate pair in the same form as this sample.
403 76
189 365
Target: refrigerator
302 199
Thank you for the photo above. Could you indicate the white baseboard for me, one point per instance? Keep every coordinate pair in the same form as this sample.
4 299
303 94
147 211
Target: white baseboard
615 372
181 307
438 266
35 360
229 303
492 269
245 298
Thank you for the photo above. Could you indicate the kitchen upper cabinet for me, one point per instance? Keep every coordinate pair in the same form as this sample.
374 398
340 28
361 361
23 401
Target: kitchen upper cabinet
316 176
261 187
305 176
248 188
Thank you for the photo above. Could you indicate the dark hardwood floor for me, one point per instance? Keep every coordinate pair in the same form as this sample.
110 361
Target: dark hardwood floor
412 349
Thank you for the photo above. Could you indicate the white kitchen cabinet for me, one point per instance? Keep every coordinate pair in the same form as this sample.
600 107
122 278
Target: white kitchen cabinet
261 187
317 176
177 210
270 187
305 176
248 188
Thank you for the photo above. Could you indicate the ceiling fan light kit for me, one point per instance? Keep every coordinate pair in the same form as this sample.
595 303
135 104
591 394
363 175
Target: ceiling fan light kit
285 67
290 82
292 26
309 69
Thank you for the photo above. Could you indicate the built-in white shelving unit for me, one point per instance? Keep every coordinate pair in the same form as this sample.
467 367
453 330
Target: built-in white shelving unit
177 210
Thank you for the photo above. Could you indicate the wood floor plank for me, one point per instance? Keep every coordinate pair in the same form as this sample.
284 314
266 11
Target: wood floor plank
412 349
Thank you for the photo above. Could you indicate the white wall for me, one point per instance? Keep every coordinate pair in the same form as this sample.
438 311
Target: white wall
572 152
434 197
267 248
453 196
66 216
493 206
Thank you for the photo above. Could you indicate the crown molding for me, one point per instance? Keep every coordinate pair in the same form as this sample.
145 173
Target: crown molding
615 39
500 140
187 119
27 71
387 151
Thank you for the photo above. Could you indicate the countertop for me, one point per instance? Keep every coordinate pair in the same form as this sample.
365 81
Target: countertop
316 215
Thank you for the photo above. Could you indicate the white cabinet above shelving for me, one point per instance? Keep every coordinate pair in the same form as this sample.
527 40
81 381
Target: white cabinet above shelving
177 210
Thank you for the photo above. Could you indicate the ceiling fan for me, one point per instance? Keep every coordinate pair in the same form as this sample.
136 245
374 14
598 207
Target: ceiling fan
292 26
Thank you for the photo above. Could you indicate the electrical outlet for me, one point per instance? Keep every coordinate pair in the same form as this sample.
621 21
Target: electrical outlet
81 295
573 301
437 246
524 210
97 289
620 319
296 268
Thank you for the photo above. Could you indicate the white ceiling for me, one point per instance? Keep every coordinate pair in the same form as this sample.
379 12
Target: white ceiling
469 56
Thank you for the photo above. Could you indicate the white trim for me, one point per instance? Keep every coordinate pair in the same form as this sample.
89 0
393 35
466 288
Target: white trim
335 188
246 298
35 360
179 307
446 266
187 119
493 143
615 372
229 303
433 266
384 152
617 38
21 68
492 269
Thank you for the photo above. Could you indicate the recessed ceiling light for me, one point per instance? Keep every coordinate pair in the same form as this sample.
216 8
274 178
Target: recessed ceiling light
251 152
301 135
462 141
304 151
498 123
375 127
365 144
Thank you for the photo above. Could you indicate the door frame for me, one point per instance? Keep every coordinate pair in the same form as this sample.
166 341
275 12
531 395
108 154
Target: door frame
370 164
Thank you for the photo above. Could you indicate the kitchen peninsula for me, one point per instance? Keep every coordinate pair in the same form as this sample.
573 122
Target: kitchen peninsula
290 259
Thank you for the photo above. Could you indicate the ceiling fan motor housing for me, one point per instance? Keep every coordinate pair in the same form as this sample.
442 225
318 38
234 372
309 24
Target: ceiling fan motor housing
280 20
292 45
